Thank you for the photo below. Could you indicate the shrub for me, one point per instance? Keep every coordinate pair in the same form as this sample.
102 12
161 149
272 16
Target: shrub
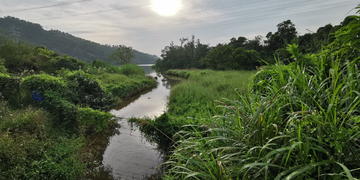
183 73
10 90
85 90
44 82
29 120
29 149
58 162
63 111
17 56
132 69
3 69
67 63
97 63
96 118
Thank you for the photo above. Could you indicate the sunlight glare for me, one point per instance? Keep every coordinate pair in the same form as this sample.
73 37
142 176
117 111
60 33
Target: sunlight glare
166 7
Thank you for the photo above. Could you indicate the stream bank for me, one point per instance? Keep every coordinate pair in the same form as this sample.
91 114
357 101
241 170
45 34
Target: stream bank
124 152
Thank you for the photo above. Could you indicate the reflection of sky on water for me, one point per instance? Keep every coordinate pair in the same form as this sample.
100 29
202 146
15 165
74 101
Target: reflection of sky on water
150 104
129 154
147 68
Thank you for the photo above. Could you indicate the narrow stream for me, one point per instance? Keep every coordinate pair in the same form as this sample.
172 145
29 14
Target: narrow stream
126 153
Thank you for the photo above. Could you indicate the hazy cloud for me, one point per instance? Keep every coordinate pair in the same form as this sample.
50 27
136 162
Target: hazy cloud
134 23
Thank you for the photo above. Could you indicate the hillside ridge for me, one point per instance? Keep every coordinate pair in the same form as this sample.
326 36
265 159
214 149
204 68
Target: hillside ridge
63 42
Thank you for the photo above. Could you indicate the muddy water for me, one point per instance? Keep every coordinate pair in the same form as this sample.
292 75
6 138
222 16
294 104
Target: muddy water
126 153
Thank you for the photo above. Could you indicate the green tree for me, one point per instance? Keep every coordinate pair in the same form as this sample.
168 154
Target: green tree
245 59
239 42
17 56
122 54
219 58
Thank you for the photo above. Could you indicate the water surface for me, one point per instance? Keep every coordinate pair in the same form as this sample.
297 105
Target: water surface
127 154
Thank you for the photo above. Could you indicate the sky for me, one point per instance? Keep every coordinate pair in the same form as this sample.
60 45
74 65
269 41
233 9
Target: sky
150 25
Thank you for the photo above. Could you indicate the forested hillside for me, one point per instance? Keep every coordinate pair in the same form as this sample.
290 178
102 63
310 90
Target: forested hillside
245 54
62 42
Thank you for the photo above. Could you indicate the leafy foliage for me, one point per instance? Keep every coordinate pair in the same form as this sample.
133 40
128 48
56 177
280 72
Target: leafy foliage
242 53
85 90
3 69
28 151
122 54
96 118
62 95
21 57
43 83
187 55
17 56
10 90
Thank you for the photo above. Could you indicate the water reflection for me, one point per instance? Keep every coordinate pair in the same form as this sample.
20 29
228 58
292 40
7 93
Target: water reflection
128 154
151 104
146 68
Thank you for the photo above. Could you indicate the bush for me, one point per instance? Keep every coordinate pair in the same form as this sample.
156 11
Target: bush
3 69
96 118
43 83
63 111
49 61
126 89
26 158
97 63
59 162
30 149
85 90
28 120
10 90
17 56
132 69
182 73
67 62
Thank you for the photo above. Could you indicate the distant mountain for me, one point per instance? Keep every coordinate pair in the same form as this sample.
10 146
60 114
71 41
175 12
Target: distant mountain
64 43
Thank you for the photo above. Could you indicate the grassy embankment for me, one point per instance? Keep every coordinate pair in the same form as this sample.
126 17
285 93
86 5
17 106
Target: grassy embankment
48 139
194 100
123 81
297 121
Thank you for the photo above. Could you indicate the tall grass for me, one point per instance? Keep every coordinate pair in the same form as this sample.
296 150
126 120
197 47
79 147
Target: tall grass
192 101
124 86
300 122
122 81
194 98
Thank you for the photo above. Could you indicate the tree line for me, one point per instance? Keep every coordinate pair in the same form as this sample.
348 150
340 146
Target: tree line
246 54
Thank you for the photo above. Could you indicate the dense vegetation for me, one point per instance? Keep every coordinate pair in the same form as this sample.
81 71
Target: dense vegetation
245 54
63 43
297 120
50 104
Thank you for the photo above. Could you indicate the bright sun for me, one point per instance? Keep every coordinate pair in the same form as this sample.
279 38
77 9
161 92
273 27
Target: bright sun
166 7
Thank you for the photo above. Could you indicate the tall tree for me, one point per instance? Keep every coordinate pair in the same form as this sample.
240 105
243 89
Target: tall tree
287 31
122 54
239 42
